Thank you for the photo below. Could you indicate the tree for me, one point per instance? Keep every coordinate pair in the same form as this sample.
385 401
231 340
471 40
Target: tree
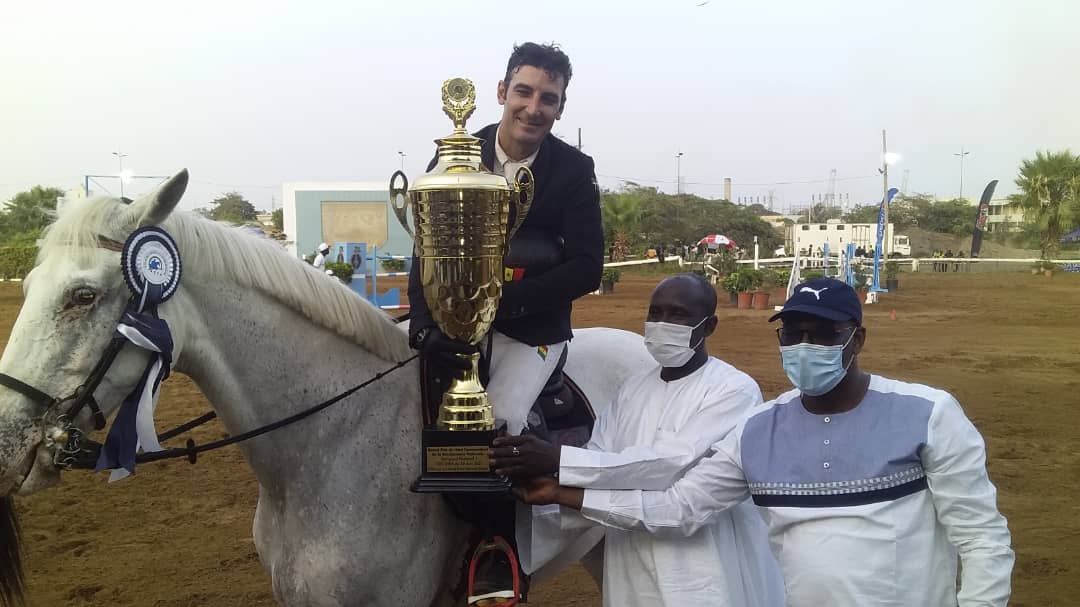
232 207
863 213
953 216
620 212
27 214
1050 196
278 217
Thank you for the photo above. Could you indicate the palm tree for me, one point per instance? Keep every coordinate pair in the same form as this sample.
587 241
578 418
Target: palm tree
621 213
1050 195
27 213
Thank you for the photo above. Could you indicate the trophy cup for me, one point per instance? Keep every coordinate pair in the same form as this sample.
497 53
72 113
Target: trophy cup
461 212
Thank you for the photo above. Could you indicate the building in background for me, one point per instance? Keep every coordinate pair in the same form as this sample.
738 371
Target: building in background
315 212
1004 216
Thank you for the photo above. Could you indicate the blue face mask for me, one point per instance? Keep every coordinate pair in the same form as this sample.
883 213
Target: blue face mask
815 369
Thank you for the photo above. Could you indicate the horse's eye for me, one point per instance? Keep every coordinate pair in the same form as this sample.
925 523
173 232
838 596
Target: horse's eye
83 296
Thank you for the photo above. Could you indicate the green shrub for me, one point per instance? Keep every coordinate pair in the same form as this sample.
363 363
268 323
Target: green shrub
610 275
754 278
739 282
393 265
17 260
782 277
343 271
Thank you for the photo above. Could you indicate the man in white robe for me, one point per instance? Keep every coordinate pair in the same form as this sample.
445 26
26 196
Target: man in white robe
871 487
658 425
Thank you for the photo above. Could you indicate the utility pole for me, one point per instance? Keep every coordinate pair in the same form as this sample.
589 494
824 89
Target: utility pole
961 155
885 194
678 173
402 154
120 157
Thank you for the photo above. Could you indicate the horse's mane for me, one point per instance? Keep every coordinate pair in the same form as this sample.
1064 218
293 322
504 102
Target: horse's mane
213 251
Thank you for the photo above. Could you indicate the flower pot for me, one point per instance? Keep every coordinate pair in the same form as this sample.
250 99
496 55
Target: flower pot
734 298
761 300
892 284
607 286
746 300
1034 271
1048 273
779 295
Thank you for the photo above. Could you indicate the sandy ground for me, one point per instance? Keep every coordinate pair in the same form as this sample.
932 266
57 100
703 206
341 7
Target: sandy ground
1006 345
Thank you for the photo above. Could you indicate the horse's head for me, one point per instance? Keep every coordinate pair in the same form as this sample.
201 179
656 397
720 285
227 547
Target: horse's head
74 298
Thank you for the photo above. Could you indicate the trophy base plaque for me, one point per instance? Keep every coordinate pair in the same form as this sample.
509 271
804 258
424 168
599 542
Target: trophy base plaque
456 461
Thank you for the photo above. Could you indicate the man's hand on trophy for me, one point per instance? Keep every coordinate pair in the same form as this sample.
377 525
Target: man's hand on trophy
443 351
523 456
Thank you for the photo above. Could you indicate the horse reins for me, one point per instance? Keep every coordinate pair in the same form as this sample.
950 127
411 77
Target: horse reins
87 456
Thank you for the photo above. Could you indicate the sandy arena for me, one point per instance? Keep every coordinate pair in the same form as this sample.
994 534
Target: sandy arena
1006 345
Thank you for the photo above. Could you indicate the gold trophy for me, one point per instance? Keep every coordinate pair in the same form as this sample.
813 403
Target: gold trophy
461 212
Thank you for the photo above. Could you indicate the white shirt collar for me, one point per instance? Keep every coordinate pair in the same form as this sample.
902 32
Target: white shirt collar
503 161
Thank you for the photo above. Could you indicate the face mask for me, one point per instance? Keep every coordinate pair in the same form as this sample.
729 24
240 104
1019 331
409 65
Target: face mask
669 343
815 369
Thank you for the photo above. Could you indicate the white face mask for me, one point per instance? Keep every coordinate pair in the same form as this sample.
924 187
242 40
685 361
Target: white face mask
669 343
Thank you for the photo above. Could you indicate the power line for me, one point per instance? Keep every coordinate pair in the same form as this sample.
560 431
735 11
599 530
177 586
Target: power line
235 185
737 184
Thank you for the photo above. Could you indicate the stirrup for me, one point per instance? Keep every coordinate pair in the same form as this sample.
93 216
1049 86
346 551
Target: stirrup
501 598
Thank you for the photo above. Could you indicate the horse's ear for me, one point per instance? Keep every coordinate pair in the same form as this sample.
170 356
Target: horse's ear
152 209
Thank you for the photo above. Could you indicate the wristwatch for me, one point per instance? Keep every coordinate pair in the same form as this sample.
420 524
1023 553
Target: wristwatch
418 338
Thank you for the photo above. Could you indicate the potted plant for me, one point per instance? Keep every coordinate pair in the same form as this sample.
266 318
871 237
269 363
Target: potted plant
892 275
763 291
1044 266
342 271
781 279
730 283
608 278
862 282
750 281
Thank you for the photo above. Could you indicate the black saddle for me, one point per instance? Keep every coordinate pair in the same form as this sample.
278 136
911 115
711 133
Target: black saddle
566 416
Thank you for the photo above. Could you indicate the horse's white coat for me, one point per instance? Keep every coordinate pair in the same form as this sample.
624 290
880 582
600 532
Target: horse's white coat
264 336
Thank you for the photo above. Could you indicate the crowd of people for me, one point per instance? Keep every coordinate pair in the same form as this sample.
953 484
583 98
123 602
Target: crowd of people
943 266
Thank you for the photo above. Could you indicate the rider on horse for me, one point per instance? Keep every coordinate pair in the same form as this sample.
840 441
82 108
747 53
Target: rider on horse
556 256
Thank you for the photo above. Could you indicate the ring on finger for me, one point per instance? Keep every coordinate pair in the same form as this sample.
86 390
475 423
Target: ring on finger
515 451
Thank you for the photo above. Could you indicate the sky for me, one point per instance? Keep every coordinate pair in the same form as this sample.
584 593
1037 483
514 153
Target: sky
248 95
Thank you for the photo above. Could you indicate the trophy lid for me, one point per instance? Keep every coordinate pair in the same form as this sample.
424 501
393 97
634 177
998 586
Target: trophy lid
459 165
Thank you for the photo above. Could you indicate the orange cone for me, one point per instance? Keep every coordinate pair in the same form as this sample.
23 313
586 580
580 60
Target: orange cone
892 315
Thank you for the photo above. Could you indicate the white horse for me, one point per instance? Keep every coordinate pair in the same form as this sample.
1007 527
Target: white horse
257 331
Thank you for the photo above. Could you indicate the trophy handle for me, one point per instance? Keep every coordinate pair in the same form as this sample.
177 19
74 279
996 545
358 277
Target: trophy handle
522 198
402 210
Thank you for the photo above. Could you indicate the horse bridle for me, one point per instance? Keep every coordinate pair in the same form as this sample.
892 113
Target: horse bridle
66 438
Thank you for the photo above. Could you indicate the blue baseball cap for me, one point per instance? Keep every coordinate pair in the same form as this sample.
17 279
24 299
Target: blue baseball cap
825 297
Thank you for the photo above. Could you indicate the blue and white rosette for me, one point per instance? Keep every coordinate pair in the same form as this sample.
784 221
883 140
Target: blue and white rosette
151 266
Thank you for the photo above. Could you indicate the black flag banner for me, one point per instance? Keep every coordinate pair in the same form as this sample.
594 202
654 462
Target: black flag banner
980 218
